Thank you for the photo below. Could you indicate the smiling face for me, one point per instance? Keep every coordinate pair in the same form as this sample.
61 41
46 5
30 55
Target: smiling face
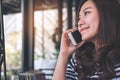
88 21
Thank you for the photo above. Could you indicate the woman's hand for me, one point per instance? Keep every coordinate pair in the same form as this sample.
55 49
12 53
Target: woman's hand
67 48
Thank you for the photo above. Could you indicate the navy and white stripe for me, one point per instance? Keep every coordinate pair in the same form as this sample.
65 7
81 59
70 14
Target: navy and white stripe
71 74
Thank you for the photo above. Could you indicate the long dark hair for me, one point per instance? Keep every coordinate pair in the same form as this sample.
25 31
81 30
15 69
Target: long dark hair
108 41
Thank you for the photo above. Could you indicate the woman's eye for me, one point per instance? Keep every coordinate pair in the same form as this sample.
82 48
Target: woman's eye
86 12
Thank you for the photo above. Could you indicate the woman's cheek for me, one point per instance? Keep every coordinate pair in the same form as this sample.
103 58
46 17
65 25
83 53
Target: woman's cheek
88 36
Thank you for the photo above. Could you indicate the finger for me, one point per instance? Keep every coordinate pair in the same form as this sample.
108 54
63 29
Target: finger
71 30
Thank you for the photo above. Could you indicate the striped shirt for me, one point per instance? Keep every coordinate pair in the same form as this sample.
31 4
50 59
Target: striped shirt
71 74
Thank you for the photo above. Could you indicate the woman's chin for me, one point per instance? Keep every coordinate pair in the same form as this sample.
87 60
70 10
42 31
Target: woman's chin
86 39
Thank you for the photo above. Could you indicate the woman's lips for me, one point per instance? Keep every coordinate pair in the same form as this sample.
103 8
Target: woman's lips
84 28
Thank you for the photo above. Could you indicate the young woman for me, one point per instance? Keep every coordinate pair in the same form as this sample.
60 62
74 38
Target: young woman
97 57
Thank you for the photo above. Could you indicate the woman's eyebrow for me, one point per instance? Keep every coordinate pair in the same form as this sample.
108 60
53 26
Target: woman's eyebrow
86 9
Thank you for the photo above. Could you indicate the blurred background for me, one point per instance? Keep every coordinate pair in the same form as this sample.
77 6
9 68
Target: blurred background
30 36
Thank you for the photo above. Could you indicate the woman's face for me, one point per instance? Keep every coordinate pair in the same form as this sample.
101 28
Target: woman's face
88 21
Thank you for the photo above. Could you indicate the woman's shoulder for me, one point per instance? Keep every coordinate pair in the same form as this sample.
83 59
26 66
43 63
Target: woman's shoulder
117 70
70 70
72 61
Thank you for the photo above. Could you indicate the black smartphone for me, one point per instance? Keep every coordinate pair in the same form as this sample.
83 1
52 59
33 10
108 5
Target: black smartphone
75 37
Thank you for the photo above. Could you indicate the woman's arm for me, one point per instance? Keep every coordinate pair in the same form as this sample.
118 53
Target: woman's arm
66 50
60 70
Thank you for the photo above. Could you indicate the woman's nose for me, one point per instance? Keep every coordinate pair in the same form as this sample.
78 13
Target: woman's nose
81 22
